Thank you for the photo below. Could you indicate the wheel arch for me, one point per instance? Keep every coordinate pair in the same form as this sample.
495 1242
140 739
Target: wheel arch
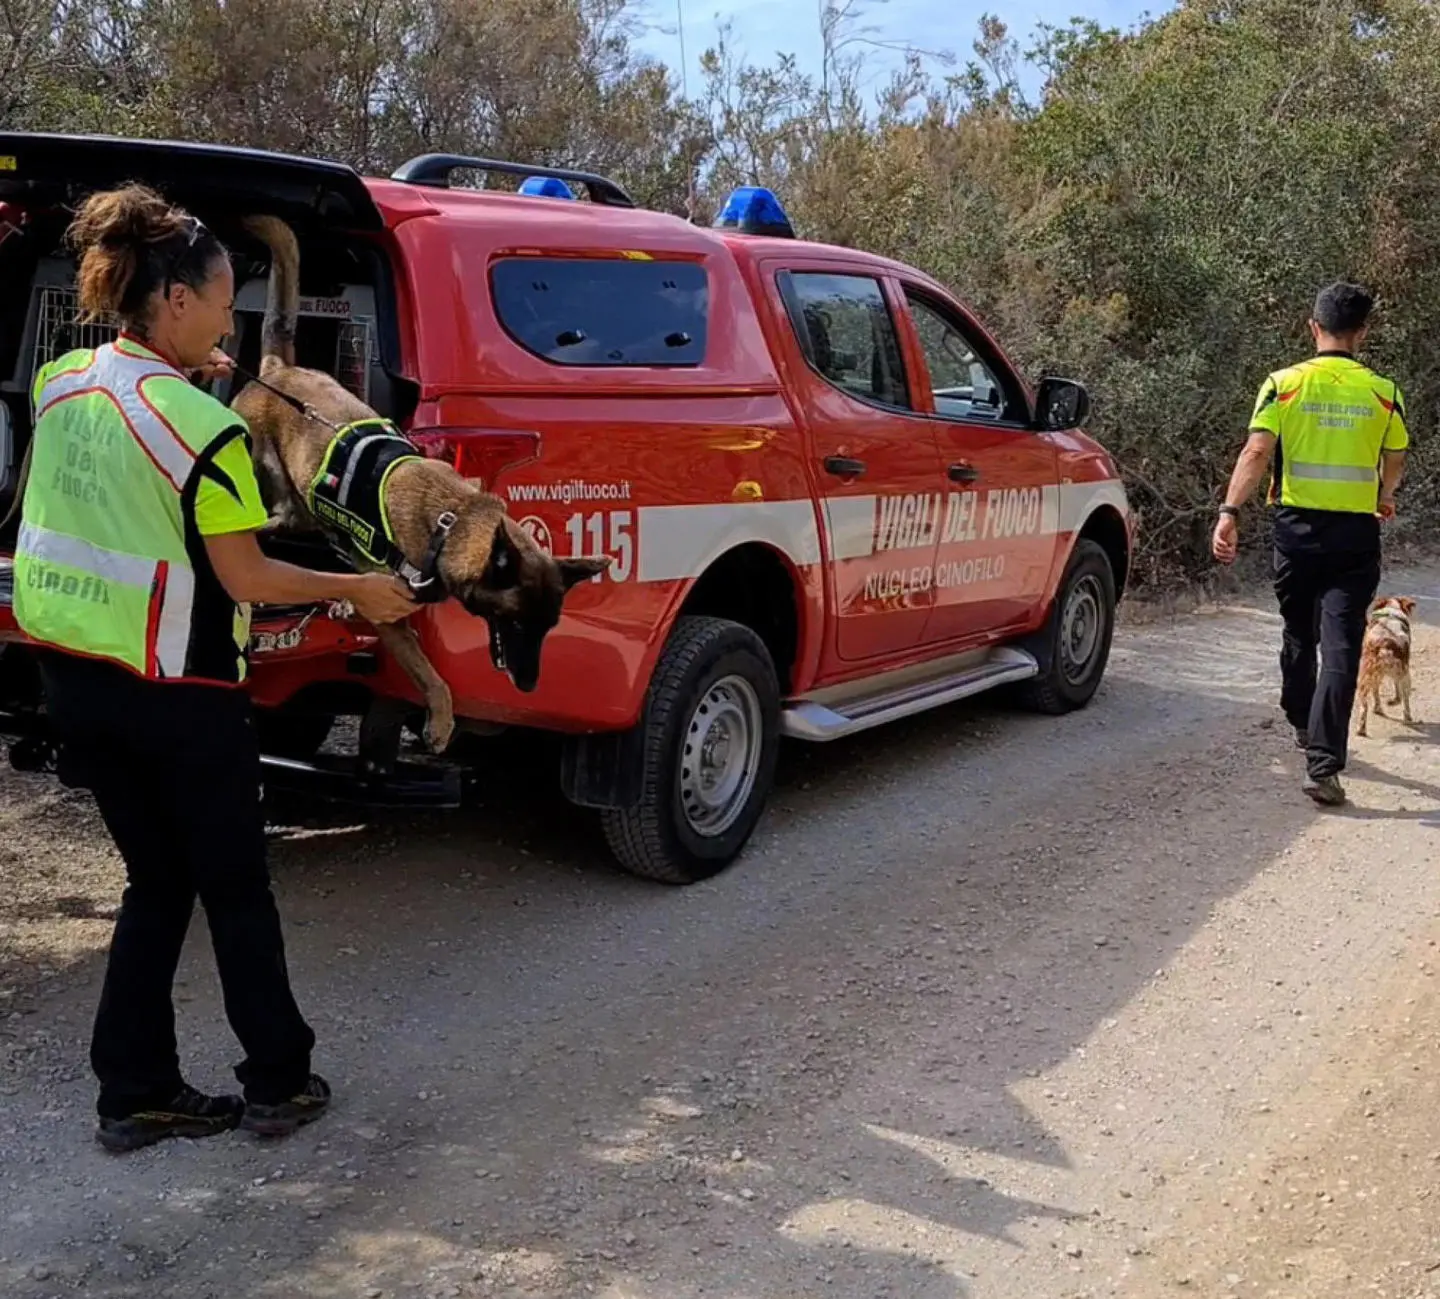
1106 526
760 587
753 583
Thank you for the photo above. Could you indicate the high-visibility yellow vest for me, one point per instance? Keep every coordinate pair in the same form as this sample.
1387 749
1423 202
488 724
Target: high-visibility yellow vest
103 567
1333 417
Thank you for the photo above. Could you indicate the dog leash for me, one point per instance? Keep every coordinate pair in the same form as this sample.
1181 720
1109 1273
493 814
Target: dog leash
295 404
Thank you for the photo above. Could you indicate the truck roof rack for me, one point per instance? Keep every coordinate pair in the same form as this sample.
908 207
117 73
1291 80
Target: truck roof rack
435 168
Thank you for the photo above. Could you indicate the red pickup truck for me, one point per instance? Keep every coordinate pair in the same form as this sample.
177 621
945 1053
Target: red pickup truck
828 498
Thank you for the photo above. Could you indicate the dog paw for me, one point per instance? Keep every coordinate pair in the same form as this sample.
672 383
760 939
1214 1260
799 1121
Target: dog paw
439 731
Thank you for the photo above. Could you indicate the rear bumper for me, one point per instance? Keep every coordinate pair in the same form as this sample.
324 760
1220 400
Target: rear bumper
334 779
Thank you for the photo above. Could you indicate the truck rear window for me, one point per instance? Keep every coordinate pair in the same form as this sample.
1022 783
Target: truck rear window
607 312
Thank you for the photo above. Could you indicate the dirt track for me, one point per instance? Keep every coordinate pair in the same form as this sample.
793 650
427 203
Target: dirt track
995 1006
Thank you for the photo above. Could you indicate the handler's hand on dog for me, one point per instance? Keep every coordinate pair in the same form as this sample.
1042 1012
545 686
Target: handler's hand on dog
1225 543
380 598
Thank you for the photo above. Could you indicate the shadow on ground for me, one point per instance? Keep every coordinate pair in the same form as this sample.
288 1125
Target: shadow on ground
798 1078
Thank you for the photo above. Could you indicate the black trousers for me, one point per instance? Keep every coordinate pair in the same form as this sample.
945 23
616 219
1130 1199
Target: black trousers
175 771
1323 601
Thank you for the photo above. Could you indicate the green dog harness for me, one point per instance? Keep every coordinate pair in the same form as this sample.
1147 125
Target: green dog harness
348 494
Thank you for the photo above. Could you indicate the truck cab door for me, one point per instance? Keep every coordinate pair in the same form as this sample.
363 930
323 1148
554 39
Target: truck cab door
999 531
875 458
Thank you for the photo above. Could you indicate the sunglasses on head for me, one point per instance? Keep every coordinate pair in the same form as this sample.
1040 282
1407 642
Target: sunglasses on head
196 228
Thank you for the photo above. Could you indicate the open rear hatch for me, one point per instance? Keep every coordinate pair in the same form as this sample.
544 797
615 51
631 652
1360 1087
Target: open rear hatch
38 169
43 177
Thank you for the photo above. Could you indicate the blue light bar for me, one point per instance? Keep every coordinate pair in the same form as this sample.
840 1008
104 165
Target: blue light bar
754 210
546 187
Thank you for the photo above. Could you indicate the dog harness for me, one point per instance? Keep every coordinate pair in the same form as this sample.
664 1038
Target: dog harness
348 493
1391 616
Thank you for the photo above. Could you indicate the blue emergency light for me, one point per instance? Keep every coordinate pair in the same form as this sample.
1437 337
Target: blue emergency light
754 210
546 187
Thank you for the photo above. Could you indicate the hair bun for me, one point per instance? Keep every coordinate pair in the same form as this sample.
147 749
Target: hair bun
124 217
116 233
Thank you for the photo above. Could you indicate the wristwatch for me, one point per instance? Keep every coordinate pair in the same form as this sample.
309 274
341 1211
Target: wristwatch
1232 510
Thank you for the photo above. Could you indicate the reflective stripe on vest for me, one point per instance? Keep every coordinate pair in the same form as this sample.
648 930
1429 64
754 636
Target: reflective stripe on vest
122 378
1332 473
101 567
168 589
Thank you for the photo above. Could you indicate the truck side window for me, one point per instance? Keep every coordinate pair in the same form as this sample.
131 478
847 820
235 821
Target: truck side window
608 311
847 334
964 387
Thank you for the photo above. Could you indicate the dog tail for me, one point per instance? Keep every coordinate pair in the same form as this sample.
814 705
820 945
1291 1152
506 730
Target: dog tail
282 302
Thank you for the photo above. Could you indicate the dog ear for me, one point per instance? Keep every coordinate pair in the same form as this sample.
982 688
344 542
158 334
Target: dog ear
573 571
503 569
1407 604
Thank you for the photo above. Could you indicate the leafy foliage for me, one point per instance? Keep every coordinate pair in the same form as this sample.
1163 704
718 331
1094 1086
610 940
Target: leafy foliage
1155 224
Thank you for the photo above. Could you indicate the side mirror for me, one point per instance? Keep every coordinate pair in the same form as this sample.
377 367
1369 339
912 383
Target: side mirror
1060 404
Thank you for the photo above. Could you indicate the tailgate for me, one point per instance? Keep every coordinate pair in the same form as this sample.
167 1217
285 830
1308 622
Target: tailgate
48 169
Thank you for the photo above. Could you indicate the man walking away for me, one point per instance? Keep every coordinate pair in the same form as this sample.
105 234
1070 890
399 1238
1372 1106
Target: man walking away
1331 432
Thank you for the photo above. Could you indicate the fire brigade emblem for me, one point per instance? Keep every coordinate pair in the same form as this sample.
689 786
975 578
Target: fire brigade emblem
539 533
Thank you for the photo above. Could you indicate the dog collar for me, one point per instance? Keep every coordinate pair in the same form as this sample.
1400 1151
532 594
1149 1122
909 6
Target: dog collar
424 581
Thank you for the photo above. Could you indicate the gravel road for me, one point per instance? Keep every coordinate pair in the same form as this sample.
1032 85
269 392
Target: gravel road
994 1006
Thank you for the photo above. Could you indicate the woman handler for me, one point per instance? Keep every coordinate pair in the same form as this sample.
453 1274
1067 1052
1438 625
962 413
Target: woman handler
136 564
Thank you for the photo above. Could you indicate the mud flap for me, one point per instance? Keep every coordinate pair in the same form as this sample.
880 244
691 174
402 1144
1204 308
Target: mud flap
603 769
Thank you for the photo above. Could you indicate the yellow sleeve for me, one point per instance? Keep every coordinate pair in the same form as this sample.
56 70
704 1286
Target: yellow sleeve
1397 436
41 375
1266 416
227 498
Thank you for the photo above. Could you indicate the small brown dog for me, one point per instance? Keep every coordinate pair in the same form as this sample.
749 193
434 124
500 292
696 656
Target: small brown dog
441 530
1385 656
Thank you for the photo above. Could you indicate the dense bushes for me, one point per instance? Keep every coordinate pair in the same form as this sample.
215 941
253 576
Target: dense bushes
1156 224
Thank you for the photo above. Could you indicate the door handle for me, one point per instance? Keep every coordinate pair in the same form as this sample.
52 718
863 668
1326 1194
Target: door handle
961 472
844 467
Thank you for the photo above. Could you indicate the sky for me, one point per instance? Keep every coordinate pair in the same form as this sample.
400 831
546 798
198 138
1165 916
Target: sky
764 28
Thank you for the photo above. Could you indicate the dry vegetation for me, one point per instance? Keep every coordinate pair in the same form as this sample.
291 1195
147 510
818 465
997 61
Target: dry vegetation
1155 224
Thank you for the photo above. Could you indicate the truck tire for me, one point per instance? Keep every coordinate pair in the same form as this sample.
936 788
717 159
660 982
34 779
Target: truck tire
1075 640
711 735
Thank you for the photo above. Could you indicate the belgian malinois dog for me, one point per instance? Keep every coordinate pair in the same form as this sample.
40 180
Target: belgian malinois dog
487 562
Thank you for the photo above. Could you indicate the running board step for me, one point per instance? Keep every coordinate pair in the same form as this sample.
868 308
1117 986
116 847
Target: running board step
805 719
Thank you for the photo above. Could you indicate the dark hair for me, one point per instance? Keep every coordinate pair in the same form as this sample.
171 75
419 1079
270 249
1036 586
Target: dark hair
1342 309
131 242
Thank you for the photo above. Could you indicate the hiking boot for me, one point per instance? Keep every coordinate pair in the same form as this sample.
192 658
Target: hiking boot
190 1114
282 1119
1302 738
1325 790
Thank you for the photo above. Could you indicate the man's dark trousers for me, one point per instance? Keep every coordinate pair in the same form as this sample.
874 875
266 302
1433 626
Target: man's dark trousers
1324 599
175 771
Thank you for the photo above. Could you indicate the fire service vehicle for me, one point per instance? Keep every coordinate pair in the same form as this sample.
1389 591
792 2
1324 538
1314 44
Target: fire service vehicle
828 498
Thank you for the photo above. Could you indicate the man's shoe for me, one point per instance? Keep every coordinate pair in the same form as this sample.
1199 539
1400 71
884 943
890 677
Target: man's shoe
1325 790
282 1119
190 1114
1302 738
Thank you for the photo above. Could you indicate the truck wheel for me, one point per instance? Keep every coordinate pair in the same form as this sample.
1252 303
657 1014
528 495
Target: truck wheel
1077 634
712 731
